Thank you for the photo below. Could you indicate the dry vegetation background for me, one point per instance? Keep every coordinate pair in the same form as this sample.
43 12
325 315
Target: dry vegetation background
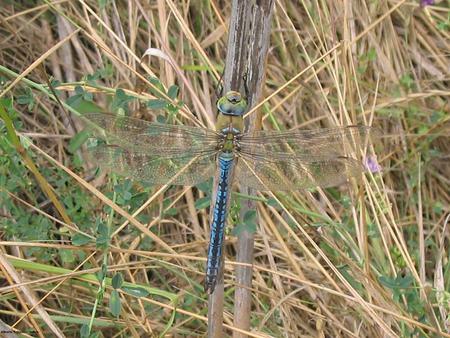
380 263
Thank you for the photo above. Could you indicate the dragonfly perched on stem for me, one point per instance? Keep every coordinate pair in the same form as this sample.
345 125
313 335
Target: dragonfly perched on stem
159 153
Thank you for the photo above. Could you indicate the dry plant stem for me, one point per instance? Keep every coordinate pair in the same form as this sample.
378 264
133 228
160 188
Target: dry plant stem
248 42
235 66
259 39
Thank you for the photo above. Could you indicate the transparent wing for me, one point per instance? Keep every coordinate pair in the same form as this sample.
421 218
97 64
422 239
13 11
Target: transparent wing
151 137
154 152
190 168
305 145
286 174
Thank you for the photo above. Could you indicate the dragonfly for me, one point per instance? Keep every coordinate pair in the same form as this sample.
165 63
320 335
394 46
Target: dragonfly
160 153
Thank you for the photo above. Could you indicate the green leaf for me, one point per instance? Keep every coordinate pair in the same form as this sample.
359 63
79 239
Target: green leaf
406 81
88 96
396 283
205 186
171 212
248 224
80 239
25 98
77 140
160 88
101 274
156 104
238 229
117 280
102 241
135 291
438 207
114 303
84 331
173 92
79 90
120 100
372 54
274 203
250 218
161 119
343 269
66 256
81 105
127 195
202 203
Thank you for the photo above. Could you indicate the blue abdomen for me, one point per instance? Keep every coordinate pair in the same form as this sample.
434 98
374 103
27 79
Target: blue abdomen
226 162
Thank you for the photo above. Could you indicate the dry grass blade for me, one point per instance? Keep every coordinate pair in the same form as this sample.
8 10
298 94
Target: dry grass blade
366 258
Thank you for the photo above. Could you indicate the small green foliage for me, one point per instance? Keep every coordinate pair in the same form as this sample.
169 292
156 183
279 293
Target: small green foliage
156 104
117 280
437 116
101 274
398 284
84 331
54 85
27 98
121 101
159 87
397 257
162 101
438 207
444 25
78 140
123 192
344 270
205 186
80 239
372 230
366 59
329 250
135 291
346 201
82 101
102 242
172 92
66 256
100 74
407 81
403 286
23 225
161 119
248 224
169 211
146 243
202 203
115 305
274 203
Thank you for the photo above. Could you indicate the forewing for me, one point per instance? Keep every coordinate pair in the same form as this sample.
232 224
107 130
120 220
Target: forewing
287 174
306 145
152 137
188 169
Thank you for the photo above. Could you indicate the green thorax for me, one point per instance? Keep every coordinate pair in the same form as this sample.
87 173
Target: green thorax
231 108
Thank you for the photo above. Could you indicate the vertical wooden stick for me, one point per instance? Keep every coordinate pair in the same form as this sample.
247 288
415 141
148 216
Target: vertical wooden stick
248 41
260 23
235 67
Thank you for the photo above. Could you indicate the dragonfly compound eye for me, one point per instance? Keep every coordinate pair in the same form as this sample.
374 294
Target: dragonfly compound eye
232 104
234 97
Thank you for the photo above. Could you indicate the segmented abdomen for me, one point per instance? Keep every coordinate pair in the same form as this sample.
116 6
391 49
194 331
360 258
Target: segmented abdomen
218 223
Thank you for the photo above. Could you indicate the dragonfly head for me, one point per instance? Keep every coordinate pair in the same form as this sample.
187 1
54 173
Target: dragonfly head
232 103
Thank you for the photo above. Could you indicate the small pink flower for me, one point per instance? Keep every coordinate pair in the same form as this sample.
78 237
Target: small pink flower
424 3
372 164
